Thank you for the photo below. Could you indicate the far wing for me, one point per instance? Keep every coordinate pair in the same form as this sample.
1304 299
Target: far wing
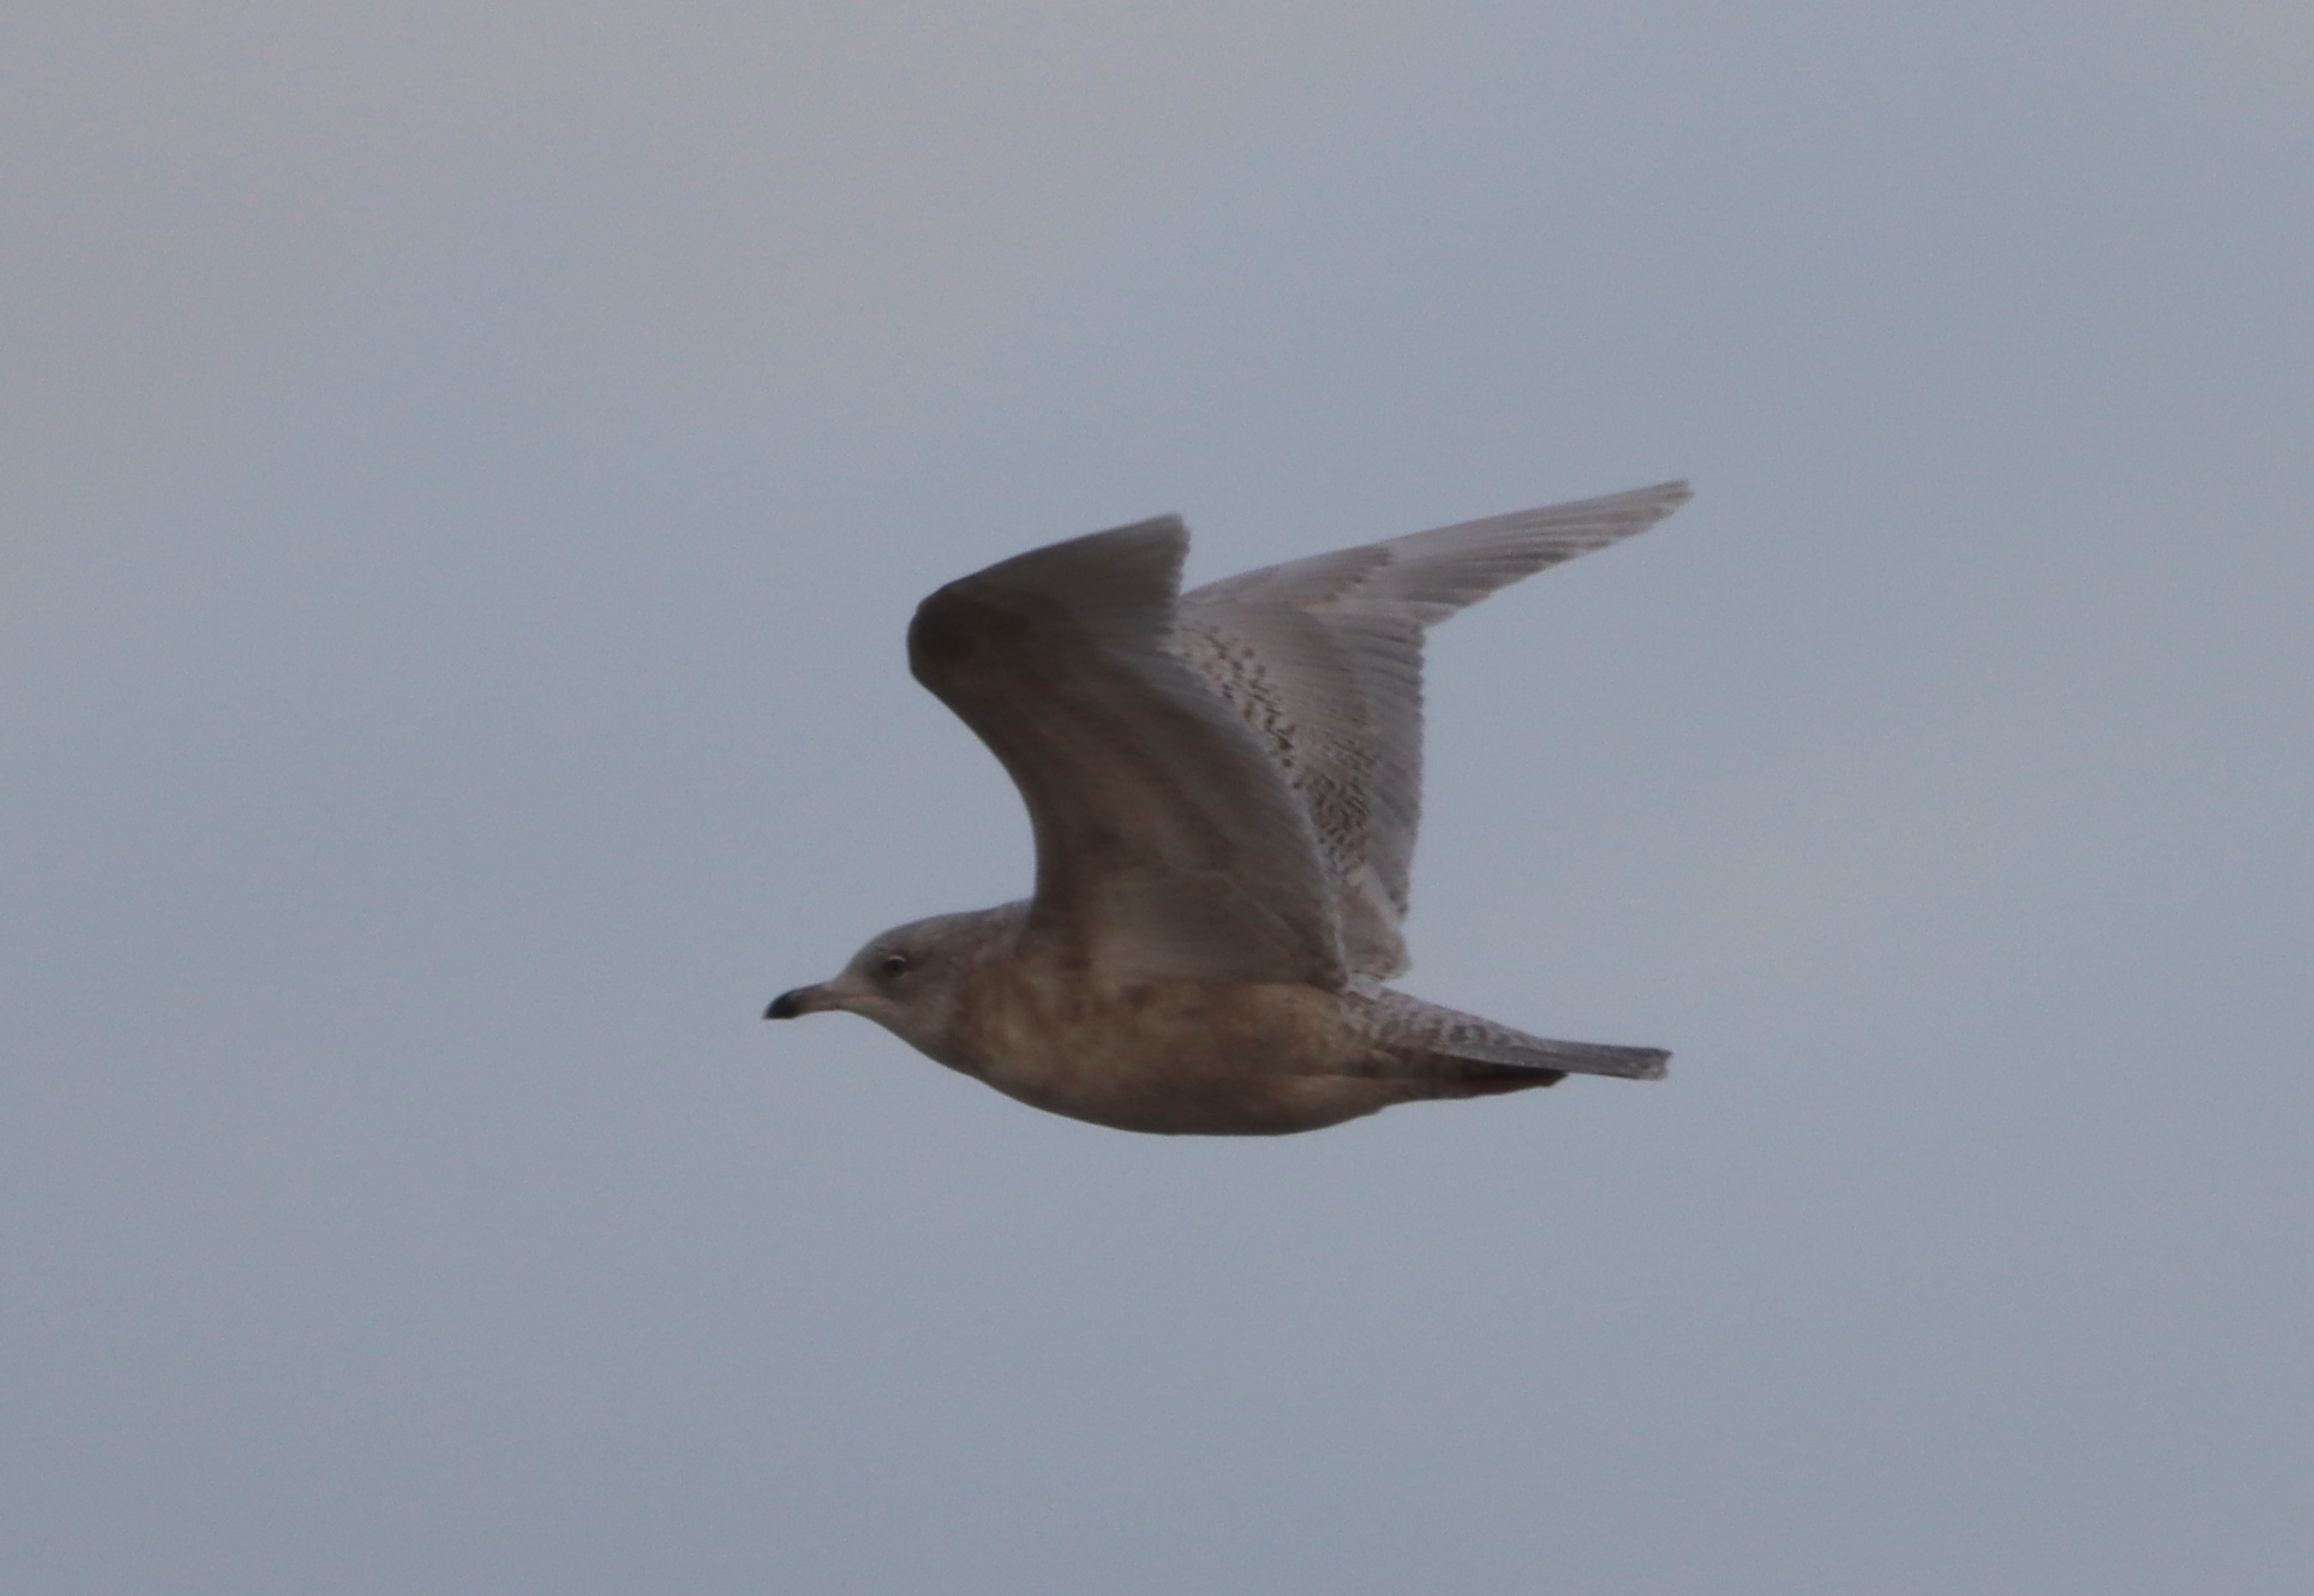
1322 658
1168 845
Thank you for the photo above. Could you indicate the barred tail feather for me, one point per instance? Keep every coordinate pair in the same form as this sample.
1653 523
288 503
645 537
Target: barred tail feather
1410 1024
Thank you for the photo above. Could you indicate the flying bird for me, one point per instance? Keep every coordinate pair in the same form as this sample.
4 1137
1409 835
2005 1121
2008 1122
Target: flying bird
1224 787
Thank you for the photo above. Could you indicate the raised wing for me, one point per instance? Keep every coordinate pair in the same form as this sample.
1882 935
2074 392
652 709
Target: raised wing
1322 658
1168 845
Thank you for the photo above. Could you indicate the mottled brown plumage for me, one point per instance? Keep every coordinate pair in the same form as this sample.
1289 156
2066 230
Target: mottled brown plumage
1224 787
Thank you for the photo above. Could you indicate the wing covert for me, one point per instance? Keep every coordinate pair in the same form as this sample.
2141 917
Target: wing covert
1168 845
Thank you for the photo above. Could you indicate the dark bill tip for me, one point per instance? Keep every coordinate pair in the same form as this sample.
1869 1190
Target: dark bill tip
783 1007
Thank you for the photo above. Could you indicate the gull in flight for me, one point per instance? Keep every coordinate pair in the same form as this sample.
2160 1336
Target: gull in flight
1224 785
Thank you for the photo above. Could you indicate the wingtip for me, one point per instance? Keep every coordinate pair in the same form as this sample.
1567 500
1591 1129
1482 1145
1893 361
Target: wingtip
1663 497
1135 566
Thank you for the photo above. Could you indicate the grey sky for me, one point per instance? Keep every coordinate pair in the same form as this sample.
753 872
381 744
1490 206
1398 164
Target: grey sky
463 480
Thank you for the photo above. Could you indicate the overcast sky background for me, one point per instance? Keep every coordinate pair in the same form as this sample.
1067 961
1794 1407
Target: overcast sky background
467 469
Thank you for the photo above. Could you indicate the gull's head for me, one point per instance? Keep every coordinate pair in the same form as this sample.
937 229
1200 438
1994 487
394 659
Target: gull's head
908 979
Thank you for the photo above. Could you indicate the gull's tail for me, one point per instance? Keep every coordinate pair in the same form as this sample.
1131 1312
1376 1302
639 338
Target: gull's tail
1475 1056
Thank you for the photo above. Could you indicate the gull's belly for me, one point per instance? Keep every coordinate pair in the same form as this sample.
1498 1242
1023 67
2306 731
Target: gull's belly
1175 1057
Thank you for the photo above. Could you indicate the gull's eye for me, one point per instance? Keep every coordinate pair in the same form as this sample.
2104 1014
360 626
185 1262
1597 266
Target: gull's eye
892 965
